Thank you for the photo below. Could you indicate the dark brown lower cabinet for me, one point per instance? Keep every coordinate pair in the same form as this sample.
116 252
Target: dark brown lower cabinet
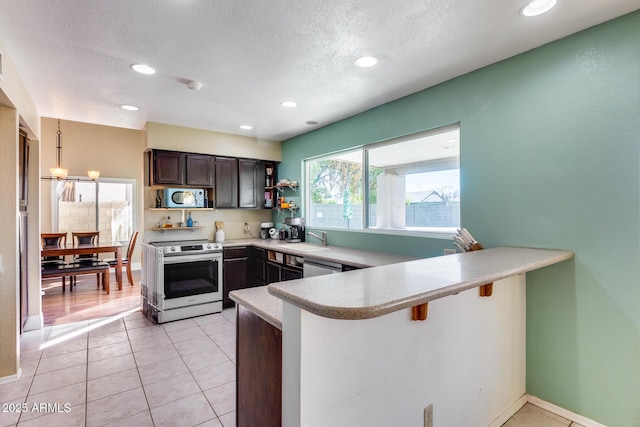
273 272
258 371
234 271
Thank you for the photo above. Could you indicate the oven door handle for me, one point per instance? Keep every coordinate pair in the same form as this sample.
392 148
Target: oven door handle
179 259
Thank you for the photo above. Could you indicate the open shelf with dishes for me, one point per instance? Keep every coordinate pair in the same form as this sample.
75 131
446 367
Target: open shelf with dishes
270 189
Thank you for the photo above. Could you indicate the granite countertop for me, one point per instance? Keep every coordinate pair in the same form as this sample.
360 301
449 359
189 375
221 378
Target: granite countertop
268 307
374 292
261 303
347 256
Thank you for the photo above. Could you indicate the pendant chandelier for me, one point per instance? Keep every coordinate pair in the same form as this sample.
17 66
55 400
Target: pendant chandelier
60 173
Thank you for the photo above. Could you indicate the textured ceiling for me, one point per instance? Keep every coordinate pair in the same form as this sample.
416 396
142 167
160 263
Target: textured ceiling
74 55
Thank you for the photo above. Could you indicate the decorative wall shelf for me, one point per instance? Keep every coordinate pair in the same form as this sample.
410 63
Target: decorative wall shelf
282 187
163 229
182 209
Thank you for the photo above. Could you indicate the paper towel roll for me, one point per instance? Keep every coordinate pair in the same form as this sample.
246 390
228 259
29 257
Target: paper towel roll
273 233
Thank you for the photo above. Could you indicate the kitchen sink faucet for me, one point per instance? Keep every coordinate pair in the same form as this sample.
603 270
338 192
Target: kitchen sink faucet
323 239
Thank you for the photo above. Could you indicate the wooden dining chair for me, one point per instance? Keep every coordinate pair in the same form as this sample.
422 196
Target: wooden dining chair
126 260
85 238
53 239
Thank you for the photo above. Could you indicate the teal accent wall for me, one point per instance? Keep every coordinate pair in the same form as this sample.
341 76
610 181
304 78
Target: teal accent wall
549 158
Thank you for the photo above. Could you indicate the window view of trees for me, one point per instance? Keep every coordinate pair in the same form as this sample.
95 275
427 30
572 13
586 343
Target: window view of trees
412 184
336 181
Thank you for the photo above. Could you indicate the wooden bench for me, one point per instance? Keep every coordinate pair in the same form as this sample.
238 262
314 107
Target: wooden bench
64 270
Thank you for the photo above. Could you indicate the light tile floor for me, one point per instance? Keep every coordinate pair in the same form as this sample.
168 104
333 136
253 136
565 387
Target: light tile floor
126 372
130 372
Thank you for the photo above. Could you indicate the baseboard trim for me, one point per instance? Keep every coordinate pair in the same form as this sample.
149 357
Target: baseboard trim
509 412
564 413
34 322
11 378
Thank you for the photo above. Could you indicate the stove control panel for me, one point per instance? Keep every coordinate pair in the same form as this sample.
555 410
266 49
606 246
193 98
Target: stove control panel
192 248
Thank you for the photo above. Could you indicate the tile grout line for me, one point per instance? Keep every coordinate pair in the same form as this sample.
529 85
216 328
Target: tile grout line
144 391
32 379
86 387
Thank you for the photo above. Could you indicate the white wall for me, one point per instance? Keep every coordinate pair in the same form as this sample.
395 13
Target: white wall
467 359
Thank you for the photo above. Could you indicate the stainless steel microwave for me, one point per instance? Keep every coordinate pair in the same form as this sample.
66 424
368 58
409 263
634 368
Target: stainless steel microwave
184 198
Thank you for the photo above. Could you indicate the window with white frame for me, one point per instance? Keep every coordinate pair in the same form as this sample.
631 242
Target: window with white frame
411 184
335 190
75 208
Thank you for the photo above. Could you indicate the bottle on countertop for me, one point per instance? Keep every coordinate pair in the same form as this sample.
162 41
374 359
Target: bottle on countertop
189 220
206 199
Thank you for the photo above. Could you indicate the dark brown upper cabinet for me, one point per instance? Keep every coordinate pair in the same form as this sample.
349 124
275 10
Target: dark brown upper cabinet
251 174
200 170
226 182
168 168
177 168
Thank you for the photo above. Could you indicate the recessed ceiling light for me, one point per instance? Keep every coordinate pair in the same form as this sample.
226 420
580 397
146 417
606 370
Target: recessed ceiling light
129 107
366 61
288 104
246 127
538 7
143 69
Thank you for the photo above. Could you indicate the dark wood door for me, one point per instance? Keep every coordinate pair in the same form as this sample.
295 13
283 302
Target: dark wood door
273 272
247 183
235 277
259 370
226 182
257 267
290 274
200 170
168 168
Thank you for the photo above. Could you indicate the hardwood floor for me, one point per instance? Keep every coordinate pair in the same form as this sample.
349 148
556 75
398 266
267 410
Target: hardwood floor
86 301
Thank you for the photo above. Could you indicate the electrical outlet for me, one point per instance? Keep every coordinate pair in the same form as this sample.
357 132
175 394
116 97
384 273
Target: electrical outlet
428 416
449 251
246 226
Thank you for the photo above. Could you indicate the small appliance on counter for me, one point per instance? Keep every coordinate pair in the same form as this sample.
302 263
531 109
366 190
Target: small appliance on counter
296 229
264 230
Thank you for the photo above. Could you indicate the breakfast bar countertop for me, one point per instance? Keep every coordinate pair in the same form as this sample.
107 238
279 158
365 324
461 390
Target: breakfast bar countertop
373 292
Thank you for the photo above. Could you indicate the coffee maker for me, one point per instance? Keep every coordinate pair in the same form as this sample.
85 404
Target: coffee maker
296 229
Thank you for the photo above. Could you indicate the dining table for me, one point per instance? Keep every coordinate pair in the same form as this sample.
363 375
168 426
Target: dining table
88 248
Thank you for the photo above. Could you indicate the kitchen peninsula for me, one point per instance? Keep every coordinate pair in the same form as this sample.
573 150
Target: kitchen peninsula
351 355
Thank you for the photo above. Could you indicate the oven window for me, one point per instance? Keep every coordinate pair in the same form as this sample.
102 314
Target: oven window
190 278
